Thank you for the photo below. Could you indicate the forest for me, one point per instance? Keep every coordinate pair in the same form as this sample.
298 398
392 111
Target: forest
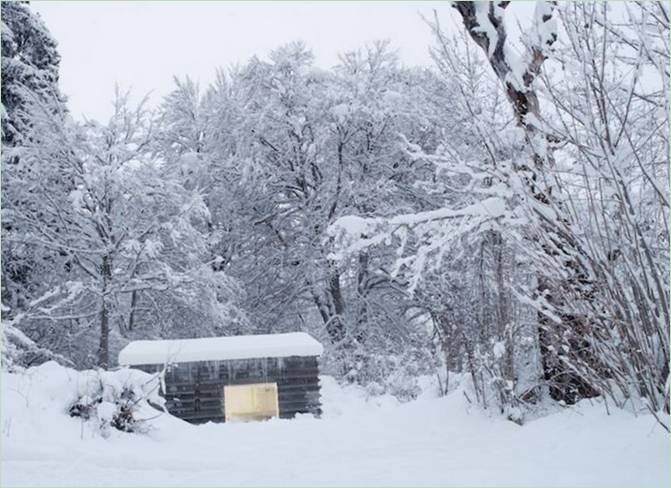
502 214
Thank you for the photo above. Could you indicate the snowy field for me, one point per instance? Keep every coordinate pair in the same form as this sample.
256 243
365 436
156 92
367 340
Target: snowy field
376 442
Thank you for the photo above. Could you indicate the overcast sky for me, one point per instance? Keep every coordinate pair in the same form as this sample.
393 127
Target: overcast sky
141 45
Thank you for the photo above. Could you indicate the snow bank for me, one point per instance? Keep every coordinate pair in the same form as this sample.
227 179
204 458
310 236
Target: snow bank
36 402
359 441
220 348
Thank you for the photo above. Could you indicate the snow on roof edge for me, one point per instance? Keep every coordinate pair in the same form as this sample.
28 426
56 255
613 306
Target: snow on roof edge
219 348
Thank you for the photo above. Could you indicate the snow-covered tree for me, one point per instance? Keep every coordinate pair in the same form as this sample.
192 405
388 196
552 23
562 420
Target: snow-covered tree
127 234
29 69
502 214
516 198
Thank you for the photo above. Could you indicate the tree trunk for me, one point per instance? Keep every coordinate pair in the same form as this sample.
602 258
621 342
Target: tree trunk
131 314
362 296
103 348
336 325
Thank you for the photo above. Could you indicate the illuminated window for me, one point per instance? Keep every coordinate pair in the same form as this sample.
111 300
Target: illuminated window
250 402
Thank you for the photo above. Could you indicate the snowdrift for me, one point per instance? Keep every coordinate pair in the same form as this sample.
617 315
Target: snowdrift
37 403
359 441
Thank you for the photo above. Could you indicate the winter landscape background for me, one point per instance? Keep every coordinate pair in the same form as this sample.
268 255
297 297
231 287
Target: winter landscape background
476 229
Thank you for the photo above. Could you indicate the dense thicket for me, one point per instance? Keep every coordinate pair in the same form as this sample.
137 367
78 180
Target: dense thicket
501 214
562 205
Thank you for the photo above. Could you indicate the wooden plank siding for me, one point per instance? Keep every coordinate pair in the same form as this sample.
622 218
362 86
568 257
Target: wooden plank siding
195 390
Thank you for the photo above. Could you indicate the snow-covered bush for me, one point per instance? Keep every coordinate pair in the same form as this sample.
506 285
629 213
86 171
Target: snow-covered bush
114 399
385 372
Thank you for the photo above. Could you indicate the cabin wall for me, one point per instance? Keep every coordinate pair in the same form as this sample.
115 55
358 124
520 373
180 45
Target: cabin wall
195 391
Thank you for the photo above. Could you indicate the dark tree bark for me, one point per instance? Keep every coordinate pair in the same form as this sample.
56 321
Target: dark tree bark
362 290
103 348
336 325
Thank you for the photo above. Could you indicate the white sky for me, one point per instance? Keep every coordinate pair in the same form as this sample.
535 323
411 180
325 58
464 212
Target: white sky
141 45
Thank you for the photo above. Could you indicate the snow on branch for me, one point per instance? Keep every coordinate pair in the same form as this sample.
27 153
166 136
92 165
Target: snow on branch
432 232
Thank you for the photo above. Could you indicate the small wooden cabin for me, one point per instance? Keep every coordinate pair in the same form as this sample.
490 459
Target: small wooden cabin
221 379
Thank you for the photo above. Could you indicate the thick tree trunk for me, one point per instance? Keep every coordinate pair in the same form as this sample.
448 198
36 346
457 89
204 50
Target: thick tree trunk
362 295
336 325
331 306
103 348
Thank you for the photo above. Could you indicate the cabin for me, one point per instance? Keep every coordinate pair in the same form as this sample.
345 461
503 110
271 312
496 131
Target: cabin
222 379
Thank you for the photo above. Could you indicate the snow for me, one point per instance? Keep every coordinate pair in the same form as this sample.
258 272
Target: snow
485 26
220 348
341 112
499 349
353 233
546 29
356 227
493 207
359 441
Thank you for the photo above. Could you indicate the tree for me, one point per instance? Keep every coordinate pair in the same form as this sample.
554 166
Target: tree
550 187
126 234
280 149
606 114
29 70
518 77
30 63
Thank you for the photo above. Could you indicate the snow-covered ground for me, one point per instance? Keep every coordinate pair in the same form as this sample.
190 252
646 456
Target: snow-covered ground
430 441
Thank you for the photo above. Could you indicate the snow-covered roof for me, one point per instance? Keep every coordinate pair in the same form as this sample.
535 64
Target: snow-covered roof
219 348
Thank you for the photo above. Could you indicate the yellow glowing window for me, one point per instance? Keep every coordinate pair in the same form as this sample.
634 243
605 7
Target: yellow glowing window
250 402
